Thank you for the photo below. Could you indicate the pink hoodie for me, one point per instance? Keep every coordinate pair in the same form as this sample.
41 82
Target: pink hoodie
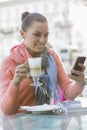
12 97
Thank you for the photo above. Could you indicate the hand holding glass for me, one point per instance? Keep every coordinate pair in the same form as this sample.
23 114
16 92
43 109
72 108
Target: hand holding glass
35 70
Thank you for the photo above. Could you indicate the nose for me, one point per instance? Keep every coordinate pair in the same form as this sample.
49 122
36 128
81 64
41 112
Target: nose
43 39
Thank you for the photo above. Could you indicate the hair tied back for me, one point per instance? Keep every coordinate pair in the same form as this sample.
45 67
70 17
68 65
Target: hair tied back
24 14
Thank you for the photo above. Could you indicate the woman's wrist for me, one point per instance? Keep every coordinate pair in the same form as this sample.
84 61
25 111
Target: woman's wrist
82 85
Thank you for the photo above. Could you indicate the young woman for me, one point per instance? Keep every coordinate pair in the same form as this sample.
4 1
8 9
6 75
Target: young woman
15 88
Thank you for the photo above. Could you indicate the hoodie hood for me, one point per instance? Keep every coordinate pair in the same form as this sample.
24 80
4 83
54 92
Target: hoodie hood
19 53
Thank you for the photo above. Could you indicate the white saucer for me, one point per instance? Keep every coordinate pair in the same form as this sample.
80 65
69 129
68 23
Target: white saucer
40 108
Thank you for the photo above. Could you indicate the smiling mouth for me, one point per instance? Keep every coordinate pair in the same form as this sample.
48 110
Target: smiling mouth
40 45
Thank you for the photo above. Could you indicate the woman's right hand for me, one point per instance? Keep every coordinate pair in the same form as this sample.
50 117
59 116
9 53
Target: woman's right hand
21 72
78 76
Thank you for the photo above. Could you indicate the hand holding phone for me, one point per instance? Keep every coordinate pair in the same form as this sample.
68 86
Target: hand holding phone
80 59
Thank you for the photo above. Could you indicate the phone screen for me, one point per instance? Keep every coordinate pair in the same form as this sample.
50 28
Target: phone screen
79 60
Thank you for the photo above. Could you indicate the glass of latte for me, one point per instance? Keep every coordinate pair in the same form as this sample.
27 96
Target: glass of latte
35 70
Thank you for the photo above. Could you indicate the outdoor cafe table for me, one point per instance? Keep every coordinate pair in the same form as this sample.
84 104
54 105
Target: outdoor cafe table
51 121
45 122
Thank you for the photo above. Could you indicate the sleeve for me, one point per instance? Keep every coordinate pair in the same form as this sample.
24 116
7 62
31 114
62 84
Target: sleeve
69 87
8 92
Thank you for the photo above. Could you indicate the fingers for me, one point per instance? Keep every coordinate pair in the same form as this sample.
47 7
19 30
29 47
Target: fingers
25 65
82 66
23 68
21 75
78 73
79 76
21 72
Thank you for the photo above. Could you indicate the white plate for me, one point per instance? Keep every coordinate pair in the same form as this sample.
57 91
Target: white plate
40 108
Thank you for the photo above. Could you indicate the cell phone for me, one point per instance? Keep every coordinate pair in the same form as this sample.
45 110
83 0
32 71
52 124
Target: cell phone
80 59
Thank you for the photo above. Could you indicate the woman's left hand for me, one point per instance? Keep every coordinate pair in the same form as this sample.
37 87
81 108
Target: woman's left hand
78 76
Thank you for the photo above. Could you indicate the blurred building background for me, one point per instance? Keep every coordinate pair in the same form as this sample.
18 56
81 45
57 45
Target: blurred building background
67 25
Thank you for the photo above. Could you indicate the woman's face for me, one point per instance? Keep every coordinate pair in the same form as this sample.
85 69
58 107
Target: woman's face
36 36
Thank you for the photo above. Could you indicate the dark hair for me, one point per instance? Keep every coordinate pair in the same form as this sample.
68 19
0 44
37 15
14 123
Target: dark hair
27 19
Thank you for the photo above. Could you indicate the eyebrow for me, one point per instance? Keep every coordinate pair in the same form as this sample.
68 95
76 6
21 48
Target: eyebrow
40 32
